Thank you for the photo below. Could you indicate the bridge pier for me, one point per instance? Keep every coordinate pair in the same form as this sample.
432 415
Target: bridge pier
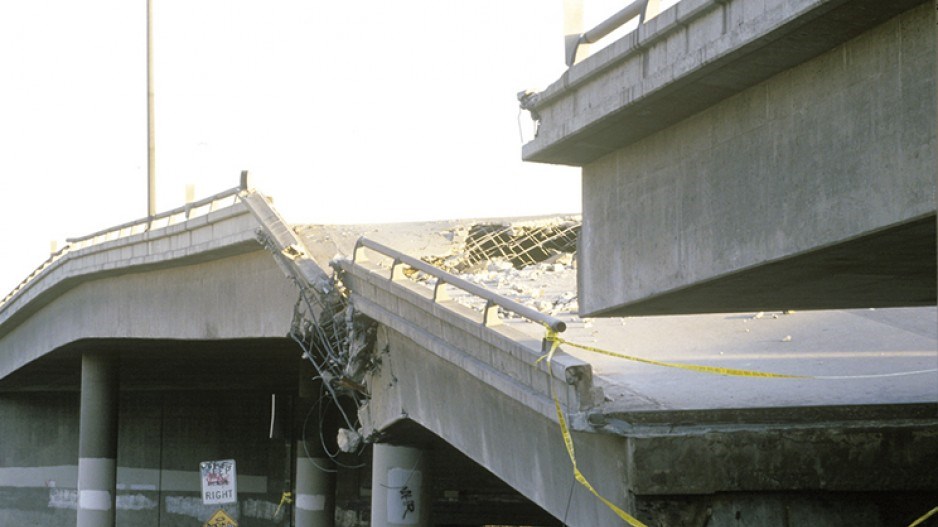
398 491
97 440
315 489
314 504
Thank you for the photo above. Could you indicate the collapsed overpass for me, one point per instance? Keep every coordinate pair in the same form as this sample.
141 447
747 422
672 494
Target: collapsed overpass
132 357
353 394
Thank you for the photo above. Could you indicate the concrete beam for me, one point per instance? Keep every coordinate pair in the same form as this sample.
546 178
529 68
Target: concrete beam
883 448
501 356
813 189
226 232
482 390
238 297
502 433
688 58
894 267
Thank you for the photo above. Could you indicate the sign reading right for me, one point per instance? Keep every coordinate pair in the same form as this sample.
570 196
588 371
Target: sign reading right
219 482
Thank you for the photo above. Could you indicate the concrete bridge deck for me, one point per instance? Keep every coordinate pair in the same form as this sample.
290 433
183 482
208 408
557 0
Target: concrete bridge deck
862 342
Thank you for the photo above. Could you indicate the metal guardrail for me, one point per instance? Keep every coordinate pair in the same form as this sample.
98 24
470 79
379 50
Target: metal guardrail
638 8
492 300
164 219
42 267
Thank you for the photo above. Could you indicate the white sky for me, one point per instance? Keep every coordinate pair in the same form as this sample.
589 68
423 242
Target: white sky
344 112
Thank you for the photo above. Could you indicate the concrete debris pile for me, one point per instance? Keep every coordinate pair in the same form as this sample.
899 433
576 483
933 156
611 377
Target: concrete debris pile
532 262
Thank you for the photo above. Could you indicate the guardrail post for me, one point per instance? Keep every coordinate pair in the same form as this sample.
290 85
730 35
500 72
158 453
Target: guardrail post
397 270
649 10
490 315
439 293
358 253
644 9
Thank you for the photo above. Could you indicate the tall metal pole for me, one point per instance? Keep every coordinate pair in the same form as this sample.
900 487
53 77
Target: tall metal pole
151 136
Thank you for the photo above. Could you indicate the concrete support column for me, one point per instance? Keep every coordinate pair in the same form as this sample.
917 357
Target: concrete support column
314 504
97 440
314 495
399 485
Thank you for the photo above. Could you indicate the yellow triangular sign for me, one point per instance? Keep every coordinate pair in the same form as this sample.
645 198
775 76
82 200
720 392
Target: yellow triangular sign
220 519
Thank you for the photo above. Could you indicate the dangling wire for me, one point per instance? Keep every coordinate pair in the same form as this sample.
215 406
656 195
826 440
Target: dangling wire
309 456
326 342
320 409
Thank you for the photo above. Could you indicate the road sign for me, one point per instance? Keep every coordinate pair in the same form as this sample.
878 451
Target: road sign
220 519
219 482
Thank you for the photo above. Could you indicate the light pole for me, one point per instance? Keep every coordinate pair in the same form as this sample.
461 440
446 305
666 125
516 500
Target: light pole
151 136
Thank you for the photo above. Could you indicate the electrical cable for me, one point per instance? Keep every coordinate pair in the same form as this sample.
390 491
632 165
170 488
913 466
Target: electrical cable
309 456
520 128
327 385
326 344
333 456
569 500
410 474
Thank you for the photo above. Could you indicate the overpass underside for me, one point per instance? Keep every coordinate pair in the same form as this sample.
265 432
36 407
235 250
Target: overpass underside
183 402
754 155
891 267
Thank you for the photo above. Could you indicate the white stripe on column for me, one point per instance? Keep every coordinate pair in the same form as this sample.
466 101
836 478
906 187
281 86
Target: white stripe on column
95 481
94 500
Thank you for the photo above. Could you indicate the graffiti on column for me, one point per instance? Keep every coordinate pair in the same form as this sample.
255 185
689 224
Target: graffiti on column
407 502
404 488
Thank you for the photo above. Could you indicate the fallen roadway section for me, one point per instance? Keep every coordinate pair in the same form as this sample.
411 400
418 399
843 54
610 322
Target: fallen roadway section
847 437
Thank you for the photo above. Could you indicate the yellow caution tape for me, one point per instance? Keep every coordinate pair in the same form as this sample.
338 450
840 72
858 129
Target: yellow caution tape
927 515
556 341
553 337
568 442
285 498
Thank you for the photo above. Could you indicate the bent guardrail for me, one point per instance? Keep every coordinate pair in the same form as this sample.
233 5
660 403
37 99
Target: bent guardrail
492 300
